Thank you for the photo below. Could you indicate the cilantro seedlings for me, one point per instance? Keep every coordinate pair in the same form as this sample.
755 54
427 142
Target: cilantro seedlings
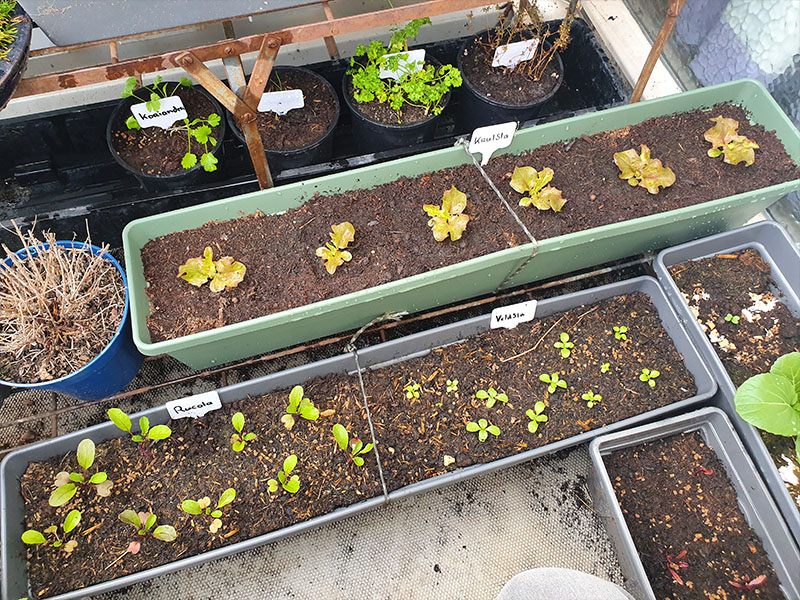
146 433
649 376
591 398
203 507
67 483
564 345
298 405
641 170
334 253
484 428
621 332
449 218
356 446
239 439
553 382
290 484
536 416
491 396
223 273
412 390
526 180
143 523
33 537
734 319
725 140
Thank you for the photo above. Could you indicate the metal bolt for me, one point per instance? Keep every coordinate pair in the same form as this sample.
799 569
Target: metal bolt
187 60
228 50
273 43
248 117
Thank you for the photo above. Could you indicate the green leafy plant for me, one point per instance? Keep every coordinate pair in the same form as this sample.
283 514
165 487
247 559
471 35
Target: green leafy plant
413 390
591 398
8 26
290 484
143 523
649 377
725 140
621 332
564 345
419 86
334 253
33 537
239 439
729 318
605 367
448 219
203 507
526 180
491 396
640 169
298 405
146 433
223 273
157 91
483 428
771 401
452 385
67 484
553 381
356 449
536 416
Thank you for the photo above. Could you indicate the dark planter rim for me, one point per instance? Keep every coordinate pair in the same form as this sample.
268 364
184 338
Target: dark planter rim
12 67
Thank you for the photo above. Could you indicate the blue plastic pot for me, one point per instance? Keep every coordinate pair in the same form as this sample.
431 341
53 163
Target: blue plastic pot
108 372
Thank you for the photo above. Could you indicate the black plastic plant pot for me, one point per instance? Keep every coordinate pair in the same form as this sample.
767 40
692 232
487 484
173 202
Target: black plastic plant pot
316 152
195 175
477 109
12 67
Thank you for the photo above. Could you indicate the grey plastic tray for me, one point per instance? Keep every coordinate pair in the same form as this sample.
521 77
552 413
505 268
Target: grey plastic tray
777 249
755 501
14 582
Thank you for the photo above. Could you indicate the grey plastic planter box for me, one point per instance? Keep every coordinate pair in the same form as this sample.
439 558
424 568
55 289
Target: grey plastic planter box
778 250
14 582
754 500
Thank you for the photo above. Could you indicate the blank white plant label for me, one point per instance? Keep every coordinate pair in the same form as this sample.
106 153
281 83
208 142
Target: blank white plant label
281 102
410 61
512 54
170 109
509 317
194 406
488 139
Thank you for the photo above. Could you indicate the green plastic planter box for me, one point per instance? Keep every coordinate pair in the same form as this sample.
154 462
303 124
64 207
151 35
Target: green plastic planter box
472 277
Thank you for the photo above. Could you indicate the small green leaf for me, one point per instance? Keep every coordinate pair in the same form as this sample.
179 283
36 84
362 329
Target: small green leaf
130 85
367 448
292 485
214 119
341 436
71 521
76 477
238 446
357 446
788 366
150 521
481 394
137 438
62 494
98 477
144 426
216 514
189 160
86 453
358 460
120 419
209 161
131 518
165 533
290 463
185 82
249 437
31 536
132 123
226 497
272 486
201 133
159 432
191 507
295 397
483 435
493 429
473 427
238 422
282 477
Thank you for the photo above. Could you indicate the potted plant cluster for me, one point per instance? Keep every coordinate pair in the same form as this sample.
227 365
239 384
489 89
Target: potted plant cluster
15 37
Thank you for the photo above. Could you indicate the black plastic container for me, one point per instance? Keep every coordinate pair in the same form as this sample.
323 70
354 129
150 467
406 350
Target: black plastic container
316 152
197 174
12 67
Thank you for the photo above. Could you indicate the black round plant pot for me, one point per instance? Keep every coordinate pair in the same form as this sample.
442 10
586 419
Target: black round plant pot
316 152
374 136
477 109
13 66
153 182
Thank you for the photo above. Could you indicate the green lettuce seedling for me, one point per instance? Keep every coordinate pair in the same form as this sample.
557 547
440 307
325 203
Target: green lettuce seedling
298 405
621 332
452 385
143 523
334 253
413 390
564 345
357 447
449 218
591 398
491 396
33 537
290 484
535 415
649 376
725 139
146 433
526 180
640 169
67 483
203 507
553 382
239 439
484 428
605 367
729 318
771 401
223 273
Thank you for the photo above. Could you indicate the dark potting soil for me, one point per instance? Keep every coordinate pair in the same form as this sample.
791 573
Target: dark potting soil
383 113
739 284
299 127
197 461
156 151
676 497
392 240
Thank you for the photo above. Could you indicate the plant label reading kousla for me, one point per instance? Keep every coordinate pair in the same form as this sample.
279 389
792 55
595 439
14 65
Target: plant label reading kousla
281 102
509 317
410 62
510 55
488 139
194 406
170 109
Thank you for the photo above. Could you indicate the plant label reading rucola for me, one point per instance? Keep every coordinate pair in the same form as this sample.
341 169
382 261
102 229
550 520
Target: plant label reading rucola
281 102
510 55
509 317
194 406
170 109
488 139
409 62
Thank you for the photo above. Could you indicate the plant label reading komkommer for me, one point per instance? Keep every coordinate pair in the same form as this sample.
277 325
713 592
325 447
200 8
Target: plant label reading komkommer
488 139
194 406
510 55
170 109
410 61
509 317
281 102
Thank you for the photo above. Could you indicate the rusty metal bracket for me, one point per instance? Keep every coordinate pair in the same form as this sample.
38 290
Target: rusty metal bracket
330 43
673 11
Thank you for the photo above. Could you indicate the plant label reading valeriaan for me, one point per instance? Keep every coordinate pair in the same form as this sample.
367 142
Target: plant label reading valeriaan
488 139
194 406
171 109
409 62
510 55
509 317
281 102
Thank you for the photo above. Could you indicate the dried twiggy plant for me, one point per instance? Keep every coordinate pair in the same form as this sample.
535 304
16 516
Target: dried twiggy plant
59 307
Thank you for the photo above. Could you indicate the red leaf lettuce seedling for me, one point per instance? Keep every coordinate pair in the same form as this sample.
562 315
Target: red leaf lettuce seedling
34 537
223 273
357 447
143 523
239 439
526 180
298 405
67 483
725 139
334 253
146 433
448 219
290 484
640 169
203 507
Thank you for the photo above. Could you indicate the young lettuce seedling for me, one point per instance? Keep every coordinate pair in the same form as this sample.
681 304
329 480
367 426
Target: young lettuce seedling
298 405
203 507
357 447
553 382
725 139
239 439
143 523
564 345
729 318
621 332
605 367
413 390
535 415
449 218
591 398
491 396
146 433
640 169
223 273
67 483
649 377
34 537
292 484
484 428
334 253
452 385
526 180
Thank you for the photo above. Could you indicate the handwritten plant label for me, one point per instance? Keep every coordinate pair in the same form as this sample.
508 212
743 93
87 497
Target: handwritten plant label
509 317
194 406
488 139
510 55
281 102
170 109
410 61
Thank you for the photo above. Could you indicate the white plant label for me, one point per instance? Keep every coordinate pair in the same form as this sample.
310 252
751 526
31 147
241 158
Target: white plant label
488 139
170 109
194 406
509 317
410 61
281 102
512 54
